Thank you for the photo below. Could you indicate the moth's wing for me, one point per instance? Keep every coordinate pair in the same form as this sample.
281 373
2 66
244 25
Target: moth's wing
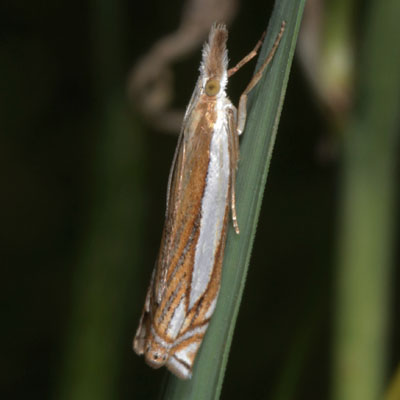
182 357
174 196
181 363
139 341
175 174
158 278
190 337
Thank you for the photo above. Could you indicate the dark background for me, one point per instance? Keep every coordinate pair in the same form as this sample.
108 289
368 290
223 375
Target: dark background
62 96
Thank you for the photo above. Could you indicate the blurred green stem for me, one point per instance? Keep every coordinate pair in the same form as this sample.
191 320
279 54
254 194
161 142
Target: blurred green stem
112 242
336 62
299 350
367 213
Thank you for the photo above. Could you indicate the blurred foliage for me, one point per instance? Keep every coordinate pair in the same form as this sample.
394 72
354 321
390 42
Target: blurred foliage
367 220
84 196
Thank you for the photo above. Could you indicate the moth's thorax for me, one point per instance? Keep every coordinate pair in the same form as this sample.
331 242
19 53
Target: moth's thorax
205 113
213 104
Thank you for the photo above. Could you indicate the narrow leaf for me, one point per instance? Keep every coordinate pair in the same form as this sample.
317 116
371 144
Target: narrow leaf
264 107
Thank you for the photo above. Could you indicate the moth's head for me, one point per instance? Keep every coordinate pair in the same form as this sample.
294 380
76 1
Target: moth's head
155 354
213 68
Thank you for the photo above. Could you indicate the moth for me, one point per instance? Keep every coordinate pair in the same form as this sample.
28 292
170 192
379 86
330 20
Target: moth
186 279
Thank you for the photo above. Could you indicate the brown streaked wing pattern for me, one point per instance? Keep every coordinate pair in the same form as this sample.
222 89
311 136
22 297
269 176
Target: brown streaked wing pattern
181 233
188 171
173 194
187 344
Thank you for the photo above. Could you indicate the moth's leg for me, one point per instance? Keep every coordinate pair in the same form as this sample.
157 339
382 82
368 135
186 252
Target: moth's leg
246 59
233 140
242 110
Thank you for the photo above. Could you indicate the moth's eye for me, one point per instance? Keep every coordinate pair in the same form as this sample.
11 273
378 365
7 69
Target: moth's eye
212 87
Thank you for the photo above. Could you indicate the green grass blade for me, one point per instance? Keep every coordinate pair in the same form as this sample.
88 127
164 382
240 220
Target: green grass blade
368 216
265 105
